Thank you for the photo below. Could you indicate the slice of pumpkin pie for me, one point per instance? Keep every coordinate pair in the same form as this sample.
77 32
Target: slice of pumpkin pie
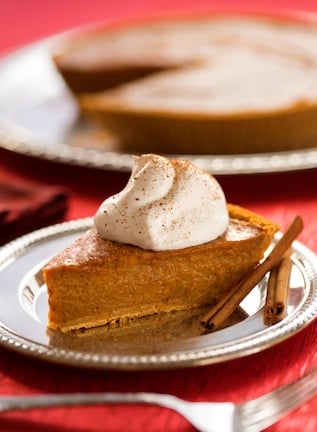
167 242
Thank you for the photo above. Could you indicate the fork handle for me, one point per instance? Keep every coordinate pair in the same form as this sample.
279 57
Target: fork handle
10 403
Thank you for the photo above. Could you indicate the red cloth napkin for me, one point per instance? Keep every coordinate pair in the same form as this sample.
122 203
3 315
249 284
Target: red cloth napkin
26 207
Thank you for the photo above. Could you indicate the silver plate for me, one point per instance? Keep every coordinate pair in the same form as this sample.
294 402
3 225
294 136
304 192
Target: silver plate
23 312
39 118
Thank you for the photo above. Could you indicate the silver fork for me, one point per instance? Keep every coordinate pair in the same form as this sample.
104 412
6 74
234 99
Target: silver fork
252 416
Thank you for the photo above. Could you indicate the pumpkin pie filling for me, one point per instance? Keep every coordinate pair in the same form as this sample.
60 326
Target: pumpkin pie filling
96 282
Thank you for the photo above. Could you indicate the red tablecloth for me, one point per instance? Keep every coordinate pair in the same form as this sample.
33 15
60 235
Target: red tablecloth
278 196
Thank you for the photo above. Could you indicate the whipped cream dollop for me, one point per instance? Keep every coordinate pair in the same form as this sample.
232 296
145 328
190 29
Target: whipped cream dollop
166 204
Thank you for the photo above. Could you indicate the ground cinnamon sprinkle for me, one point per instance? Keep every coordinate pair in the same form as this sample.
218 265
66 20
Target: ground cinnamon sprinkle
221 311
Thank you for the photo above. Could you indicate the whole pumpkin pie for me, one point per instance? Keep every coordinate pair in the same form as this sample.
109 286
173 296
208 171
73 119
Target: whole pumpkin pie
97 280
224 84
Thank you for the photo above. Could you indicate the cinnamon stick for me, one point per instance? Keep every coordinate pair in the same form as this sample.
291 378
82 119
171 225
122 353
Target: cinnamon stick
277 291
221 311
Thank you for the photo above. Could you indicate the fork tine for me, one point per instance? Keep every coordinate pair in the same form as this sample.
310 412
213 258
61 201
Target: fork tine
262 412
